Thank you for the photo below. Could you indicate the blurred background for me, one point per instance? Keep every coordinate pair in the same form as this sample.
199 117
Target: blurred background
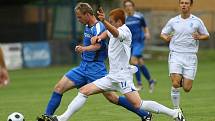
40 33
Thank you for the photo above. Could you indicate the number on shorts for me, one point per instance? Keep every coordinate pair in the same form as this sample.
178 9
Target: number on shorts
123 84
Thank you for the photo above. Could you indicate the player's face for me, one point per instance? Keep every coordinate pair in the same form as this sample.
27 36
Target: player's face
113 22
185 6
129 8
82 18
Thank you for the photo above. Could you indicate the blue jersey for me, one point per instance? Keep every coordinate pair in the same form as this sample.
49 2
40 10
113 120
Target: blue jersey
89 32
136 23
92 66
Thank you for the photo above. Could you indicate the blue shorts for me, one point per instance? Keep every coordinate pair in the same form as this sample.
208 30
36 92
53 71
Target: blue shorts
137 49
86 72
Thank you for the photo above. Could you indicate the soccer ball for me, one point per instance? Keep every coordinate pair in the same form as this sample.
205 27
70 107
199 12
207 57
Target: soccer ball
15 117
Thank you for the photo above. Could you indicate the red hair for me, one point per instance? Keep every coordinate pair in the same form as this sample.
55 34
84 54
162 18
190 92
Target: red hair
118 14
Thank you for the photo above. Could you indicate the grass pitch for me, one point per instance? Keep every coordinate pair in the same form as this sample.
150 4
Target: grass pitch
30 90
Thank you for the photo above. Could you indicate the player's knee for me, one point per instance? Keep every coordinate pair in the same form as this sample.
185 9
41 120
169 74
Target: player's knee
136 105
134 61
187 88
59 88
176 84
85 91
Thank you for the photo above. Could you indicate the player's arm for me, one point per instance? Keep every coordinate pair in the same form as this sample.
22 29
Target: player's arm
93 47
167 32
97 39
198 36
113 30
145 28
147 33
201 32
4 77
166 37
2 63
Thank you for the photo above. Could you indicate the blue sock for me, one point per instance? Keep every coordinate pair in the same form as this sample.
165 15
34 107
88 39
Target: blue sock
126 104
53 104
145 73
138 76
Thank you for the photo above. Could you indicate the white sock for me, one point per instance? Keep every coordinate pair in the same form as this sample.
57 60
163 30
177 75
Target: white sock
73 107
175 96
155 107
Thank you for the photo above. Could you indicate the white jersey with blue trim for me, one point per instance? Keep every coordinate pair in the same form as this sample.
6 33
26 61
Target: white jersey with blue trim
182 30
119 49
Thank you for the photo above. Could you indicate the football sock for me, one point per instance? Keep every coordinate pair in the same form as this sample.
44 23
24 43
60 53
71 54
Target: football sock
126 104
53 104
155 107
145 73
138 76
175 96
73 107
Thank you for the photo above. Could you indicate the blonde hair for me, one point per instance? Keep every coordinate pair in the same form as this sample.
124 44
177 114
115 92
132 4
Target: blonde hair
84 8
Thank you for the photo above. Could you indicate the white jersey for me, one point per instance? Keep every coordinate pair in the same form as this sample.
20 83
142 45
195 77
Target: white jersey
119 50
182 30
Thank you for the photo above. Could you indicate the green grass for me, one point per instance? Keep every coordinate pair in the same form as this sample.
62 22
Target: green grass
30 90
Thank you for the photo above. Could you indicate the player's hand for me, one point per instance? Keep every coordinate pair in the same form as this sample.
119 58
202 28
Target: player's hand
196 35
147 36
101 14
79 49
95 40
4 77
167 38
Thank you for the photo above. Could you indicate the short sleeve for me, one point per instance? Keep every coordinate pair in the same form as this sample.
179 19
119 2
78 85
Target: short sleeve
167 28
202 29
143 21
122 33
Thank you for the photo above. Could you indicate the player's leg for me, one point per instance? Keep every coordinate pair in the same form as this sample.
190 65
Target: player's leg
190 69
187 84
152 106
128 90
62 86
146 74
122 101
73 78
81 98
175 90
134 61
175 73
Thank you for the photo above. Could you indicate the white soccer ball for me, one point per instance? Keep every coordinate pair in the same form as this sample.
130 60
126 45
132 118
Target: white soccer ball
16 117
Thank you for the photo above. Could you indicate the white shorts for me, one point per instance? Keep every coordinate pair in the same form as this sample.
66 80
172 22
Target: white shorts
183 63
124 85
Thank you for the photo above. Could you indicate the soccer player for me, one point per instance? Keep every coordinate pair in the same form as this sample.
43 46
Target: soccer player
138 27
183 33
120 75
91 68
4 77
